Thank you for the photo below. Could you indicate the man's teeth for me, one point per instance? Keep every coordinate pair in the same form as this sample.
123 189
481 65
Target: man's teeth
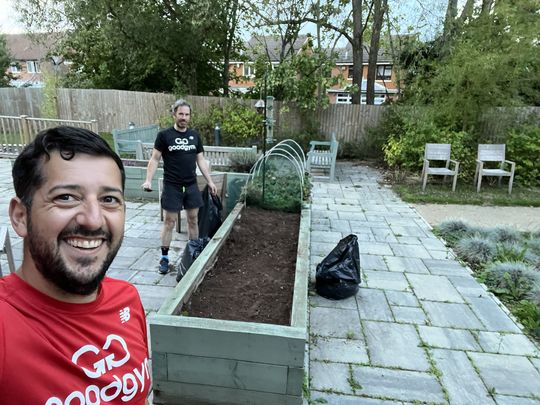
85 243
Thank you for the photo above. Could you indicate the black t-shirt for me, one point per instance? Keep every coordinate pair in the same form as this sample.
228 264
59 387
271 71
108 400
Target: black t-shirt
179 151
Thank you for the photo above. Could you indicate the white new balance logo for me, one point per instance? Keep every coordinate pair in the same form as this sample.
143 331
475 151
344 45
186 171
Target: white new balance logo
124 315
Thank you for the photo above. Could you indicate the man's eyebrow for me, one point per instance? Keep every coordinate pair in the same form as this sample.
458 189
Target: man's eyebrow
76 187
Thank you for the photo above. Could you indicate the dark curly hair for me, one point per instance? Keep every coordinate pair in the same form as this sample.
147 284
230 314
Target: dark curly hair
68 141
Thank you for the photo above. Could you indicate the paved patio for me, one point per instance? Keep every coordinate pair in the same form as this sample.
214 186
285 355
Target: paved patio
420 330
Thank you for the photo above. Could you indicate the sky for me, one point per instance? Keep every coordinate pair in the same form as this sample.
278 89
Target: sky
8 18
414 12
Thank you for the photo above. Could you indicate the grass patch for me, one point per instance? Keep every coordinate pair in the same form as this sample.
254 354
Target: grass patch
490 194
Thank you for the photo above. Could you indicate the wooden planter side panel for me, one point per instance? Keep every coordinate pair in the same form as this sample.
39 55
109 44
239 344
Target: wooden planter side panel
300 298
210 361
189 394
244 341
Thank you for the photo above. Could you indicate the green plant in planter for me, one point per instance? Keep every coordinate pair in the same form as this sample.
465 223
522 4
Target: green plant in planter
282 188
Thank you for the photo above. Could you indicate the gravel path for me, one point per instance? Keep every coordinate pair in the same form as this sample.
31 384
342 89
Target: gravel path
522 218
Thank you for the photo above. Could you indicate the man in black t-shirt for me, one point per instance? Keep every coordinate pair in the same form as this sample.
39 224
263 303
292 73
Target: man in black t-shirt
182 150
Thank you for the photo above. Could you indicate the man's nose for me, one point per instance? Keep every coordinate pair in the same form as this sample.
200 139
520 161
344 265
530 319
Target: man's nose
91 215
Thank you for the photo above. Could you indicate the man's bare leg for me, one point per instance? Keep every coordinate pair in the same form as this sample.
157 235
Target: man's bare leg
192 223
169 220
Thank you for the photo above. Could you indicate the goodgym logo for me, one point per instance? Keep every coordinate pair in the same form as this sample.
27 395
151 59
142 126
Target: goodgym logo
103 363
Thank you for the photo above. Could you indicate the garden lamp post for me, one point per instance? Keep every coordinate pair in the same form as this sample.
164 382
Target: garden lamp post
260 106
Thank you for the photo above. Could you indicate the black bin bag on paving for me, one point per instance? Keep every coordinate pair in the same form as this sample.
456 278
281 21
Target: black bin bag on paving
338 275
209 214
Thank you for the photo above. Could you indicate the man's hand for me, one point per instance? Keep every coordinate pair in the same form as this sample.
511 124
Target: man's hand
147 186
213 188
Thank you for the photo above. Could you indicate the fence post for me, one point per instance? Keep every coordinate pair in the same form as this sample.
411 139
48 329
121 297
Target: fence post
94 126
25 131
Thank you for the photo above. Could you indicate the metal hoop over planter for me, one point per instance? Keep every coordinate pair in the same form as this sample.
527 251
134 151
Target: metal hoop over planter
287 149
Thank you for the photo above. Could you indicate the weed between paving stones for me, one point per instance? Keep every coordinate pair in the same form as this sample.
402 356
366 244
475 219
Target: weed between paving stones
253 277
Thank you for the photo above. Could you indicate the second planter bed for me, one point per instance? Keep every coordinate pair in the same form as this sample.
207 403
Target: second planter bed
203 360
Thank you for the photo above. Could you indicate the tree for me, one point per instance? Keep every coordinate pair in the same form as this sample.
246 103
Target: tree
494 61
350 25
143 44
5 61
379 11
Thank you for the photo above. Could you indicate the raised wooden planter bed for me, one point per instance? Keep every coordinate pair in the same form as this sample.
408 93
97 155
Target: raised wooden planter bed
209 361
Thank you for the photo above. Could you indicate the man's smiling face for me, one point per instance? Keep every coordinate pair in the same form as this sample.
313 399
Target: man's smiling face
76 222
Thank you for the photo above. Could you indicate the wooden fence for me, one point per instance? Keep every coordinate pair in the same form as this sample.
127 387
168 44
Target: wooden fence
116 108
16 132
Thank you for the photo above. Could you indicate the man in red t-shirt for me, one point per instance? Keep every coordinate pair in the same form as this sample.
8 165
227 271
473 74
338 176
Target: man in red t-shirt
68 334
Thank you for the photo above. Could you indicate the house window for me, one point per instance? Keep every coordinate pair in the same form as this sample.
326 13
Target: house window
378 100
384 72
15 68
350 74
343 98
249 70
32 66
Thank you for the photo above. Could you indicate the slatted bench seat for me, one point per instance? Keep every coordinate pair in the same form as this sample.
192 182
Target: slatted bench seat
129 142
219 156
322 157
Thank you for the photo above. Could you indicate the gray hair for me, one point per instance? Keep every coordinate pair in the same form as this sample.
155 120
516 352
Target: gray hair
180 103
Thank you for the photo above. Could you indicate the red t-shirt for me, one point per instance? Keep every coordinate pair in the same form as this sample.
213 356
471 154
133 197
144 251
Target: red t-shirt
54 353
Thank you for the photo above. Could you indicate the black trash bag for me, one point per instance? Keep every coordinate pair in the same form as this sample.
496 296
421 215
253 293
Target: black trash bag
193 249
338 275
209 214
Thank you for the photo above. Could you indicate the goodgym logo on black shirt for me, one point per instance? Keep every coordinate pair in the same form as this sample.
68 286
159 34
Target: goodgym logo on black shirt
182 144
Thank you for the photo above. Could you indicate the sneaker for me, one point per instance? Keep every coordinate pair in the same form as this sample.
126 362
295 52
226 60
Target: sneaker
163 266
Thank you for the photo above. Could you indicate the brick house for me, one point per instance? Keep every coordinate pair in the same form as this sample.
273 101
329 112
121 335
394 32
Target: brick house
243 73
30 58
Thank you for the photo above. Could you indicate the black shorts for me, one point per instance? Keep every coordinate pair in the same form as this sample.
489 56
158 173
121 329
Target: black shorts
175 198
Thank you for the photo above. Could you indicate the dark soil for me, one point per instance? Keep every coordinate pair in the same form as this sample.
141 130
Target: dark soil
253 277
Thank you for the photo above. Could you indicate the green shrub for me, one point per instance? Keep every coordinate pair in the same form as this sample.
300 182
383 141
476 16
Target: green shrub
453 230
504 234
514 280
528 314
475 250
240 124
405 146
523 147
243 161
510 252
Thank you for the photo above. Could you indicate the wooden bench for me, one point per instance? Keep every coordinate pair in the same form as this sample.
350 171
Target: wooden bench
129 142
5 248
219 179
215 155
322 157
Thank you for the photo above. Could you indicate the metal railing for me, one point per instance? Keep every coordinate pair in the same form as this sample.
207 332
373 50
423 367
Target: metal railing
17 132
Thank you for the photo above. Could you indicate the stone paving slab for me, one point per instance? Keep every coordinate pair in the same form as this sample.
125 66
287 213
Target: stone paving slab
394 345
446 338
434 288
460 379
351 350
508 375
401 385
